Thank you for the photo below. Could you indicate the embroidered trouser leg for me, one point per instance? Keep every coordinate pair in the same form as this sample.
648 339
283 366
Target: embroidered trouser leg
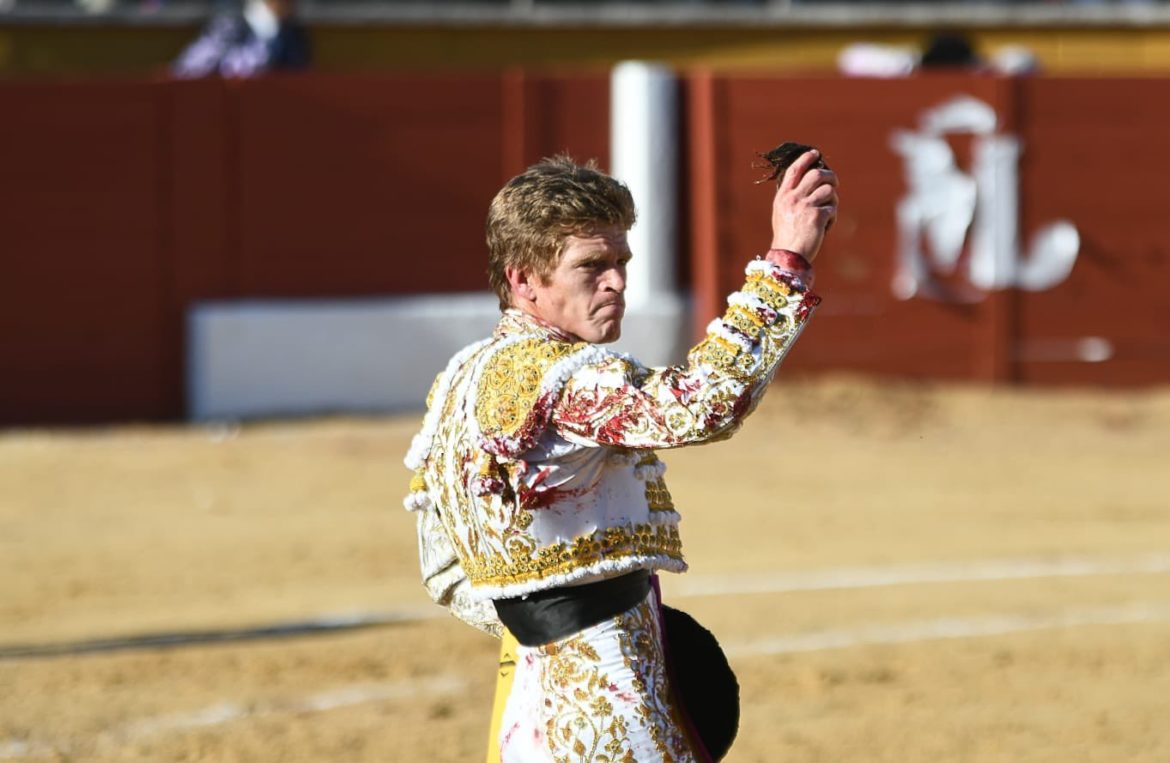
599 695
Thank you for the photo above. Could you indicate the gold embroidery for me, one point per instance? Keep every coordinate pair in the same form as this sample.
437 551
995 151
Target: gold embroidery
731 347
509 386
744 321
657 496
679 420
715 352
746 364
530 563
750 315
763 277
773 293
592 715
579 728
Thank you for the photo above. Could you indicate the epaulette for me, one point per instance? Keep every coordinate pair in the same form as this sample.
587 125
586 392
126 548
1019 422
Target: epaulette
517 387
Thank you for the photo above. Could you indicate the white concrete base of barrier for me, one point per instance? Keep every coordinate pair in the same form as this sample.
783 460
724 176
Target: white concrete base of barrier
255 358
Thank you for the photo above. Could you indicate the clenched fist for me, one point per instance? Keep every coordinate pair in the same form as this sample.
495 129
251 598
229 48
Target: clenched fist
805 205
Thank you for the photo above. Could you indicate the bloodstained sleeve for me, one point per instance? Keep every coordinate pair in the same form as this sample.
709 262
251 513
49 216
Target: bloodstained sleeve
617 402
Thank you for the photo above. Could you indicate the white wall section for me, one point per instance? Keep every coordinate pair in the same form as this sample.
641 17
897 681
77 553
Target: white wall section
254 358
294 357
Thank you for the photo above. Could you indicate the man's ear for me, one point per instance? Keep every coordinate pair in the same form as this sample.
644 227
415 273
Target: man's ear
520 282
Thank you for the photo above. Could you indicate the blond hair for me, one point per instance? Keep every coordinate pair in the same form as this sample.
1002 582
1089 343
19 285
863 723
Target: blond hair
533 214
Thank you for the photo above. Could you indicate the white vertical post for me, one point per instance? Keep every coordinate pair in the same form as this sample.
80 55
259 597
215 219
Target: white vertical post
644 155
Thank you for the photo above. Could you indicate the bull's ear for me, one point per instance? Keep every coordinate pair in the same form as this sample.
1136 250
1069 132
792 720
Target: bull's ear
779 159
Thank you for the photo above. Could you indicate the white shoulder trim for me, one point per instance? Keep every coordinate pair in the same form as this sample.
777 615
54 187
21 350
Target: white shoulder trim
420 445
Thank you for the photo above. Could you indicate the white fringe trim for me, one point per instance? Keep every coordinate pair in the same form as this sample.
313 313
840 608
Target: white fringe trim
624 457
417 501
420 444
750 301
650 472
665 517
761 266
754 304
777 273
731 334
600 570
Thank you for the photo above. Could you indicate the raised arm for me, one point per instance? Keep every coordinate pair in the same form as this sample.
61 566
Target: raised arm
618 402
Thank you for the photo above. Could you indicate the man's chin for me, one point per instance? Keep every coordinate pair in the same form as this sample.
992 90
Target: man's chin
609 334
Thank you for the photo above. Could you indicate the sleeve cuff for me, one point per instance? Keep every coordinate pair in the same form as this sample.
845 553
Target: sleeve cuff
793 263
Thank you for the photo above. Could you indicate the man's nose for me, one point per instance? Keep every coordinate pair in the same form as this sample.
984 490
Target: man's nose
616 280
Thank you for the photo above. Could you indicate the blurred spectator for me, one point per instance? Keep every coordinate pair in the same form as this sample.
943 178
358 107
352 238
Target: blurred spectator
265 36
945 50
867 59
949 50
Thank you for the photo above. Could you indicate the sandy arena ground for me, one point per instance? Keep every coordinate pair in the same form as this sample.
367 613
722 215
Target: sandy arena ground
898 572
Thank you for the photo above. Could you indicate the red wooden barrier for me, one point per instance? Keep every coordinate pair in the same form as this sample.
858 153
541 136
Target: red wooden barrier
84 283
122 203
1098 152
1093 152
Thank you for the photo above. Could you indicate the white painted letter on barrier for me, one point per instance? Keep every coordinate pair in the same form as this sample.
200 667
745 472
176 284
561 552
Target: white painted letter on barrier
948 212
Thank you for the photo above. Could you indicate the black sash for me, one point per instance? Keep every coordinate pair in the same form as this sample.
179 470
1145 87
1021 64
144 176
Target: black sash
547 616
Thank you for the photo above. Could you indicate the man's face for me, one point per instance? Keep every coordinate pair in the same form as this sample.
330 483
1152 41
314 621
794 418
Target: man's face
584 294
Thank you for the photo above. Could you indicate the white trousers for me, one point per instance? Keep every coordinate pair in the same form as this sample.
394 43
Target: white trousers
599 695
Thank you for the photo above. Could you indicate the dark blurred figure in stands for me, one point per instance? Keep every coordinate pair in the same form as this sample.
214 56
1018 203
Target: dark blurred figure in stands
264 36
949 50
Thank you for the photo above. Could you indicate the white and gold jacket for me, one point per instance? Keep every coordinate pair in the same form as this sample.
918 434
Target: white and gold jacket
535 465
